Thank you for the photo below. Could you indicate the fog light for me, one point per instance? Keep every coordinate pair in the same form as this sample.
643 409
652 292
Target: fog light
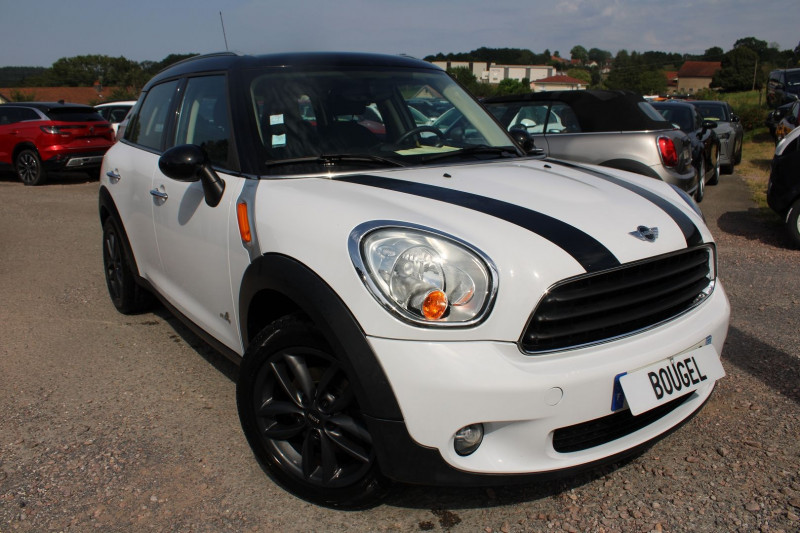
468 439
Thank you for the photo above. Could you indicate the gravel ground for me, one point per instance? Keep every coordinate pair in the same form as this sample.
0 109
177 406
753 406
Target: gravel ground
114 423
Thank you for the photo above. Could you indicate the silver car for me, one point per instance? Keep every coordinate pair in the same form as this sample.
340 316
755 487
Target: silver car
729 130
616 129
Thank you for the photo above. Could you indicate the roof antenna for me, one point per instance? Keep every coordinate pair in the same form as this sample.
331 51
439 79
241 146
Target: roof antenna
222 22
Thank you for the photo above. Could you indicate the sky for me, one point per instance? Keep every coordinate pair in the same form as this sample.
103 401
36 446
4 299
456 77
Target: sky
39 32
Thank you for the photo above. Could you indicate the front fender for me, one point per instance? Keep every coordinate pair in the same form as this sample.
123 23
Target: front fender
275 284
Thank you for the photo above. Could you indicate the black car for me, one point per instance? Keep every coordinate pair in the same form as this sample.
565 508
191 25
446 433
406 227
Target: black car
783 86
705 143
775 116
783 191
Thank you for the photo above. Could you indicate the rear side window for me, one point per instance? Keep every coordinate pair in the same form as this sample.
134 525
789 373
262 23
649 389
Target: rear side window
74 114
149 125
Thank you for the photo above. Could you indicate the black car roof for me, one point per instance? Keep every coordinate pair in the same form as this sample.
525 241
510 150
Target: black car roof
597 110
231 61
47 106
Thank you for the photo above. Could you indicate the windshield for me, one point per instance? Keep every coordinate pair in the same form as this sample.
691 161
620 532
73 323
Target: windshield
713 112
345 118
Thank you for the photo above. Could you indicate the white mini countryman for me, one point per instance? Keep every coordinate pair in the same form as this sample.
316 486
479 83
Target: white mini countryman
409 300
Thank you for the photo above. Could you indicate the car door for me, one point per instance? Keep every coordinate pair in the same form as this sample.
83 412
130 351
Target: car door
193 237
129 167
8 136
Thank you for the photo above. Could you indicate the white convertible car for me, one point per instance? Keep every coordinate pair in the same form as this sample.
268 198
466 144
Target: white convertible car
407 305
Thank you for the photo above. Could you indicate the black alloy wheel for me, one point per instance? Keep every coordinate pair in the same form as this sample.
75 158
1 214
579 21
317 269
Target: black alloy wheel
301 417
29 167
715 178
701 182
126 295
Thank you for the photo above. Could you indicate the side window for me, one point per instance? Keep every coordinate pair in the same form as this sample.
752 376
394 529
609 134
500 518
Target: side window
148 127
203 118
562 119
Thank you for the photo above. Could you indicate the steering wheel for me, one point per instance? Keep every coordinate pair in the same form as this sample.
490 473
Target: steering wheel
420 129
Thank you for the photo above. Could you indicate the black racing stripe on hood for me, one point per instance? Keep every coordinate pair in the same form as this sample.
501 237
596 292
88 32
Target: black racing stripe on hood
584 248
689 229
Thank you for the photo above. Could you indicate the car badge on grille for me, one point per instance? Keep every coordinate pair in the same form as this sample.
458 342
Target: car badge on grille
645 234
91 130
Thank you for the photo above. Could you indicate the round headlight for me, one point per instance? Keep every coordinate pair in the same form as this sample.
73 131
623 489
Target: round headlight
424 276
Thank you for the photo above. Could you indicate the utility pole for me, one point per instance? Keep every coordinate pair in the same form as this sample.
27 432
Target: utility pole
755 70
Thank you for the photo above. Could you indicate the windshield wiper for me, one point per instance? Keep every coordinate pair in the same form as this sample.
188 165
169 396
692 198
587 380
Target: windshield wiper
332 160
506 151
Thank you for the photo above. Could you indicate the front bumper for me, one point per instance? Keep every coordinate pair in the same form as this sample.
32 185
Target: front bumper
523 399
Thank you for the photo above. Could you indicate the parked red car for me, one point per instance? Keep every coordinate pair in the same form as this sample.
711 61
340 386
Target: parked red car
37 137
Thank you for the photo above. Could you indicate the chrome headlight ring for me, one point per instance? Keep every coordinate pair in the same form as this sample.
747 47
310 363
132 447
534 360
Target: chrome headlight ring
423 276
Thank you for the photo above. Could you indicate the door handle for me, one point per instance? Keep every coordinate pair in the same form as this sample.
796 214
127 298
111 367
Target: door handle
159 194
113 175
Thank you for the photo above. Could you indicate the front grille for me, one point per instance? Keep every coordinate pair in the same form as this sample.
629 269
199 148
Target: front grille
602 430
599 307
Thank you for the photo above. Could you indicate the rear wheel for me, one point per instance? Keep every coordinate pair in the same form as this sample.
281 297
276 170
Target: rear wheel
737 152
299 412
127 296
29 167
715 178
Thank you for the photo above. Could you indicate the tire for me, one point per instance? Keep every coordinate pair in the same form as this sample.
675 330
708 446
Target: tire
29 168
299 413
737 152
701 183
715 178
793 223
126 295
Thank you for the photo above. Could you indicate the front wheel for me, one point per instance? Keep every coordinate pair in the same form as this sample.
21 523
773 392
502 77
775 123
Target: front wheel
701 183
737 152
29 168
300 415
793 223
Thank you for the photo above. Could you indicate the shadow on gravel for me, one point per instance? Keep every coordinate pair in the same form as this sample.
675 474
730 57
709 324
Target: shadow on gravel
442 500
776 369
756 224
224 366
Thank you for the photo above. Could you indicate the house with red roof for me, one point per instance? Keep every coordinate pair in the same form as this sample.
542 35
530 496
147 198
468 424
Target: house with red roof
696 75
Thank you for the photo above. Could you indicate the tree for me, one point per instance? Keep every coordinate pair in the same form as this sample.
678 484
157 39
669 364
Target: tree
580 74
465 77
756 45
714 53
738 68
599 56
512 86
579 52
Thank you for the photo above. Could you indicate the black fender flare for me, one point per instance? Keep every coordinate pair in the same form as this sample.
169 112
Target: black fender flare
290 280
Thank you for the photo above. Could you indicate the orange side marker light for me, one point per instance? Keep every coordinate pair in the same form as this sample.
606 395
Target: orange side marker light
244 222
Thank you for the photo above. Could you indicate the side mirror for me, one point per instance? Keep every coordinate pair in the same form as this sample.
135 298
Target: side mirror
709 125
188 163
734 118
524 140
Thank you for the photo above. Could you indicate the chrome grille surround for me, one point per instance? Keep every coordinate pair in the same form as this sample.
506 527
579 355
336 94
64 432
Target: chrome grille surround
634 297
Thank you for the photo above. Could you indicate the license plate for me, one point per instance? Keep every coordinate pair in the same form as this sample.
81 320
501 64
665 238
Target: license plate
671 378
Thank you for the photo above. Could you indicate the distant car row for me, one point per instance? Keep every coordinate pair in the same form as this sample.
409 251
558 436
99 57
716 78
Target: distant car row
41 137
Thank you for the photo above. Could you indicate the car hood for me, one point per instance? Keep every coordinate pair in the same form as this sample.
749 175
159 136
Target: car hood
600 217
